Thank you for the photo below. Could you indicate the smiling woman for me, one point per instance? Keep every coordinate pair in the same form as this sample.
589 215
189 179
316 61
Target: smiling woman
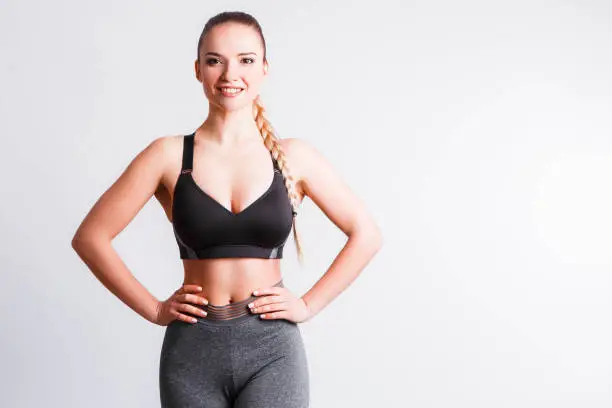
231 190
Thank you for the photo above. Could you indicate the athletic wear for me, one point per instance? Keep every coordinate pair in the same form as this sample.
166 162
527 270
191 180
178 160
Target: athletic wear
206 229
242 361
231 358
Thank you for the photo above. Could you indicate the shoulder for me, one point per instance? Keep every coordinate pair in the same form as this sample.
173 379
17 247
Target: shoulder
165 144
296 153
160 155
305 161
163 149
299 151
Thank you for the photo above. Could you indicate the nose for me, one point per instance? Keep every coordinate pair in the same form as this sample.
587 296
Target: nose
230 72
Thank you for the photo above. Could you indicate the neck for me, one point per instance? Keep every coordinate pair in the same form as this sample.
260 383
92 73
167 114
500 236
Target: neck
229 127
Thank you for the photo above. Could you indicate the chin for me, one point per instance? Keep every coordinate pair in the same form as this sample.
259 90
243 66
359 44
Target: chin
235 106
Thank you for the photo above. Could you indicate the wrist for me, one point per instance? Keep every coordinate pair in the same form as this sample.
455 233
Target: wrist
154 316
308 308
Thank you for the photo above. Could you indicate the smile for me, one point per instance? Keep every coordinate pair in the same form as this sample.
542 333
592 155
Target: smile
227 91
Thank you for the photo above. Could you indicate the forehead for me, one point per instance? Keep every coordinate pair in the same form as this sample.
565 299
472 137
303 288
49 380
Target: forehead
230 39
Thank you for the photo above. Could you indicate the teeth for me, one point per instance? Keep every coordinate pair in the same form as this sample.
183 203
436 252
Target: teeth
231 90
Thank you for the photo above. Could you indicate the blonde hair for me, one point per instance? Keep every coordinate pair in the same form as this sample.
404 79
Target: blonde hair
270 140
268 135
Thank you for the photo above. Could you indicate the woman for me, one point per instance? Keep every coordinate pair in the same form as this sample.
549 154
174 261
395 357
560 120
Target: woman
232 337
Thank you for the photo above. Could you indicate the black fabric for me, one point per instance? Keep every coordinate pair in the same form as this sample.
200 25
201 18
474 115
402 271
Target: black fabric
203 228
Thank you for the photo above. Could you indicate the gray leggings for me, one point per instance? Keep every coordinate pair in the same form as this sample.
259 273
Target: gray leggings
233 358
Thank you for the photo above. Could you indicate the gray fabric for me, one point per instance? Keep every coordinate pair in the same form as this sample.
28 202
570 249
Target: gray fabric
243 362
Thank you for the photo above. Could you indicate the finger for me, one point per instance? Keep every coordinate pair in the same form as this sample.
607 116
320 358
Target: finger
198 300
272 307
188 288
274 290
266 301
196 311
275 315
185 318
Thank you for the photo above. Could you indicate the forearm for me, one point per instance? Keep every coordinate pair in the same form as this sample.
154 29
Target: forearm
359 249
105 263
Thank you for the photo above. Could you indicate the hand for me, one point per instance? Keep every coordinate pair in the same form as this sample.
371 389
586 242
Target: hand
170 309
279 303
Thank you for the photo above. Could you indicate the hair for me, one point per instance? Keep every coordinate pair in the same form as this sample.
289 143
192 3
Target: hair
270 139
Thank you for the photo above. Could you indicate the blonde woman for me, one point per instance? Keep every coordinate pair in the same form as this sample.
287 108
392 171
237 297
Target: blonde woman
232 337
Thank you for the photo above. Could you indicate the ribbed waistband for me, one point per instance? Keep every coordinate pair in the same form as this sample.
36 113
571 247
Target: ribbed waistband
230 314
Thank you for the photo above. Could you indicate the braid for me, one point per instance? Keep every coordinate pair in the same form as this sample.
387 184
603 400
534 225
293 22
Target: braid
271 142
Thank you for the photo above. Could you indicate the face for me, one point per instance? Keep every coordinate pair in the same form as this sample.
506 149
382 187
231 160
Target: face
231 56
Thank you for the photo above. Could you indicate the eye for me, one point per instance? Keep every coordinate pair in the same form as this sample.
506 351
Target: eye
213 61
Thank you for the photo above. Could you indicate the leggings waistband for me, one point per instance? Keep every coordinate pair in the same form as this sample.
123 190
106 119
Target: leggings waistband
231 313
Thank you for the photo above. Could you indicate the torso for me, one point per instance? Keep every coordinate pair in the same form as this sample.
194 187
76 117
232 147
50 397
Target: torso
246 170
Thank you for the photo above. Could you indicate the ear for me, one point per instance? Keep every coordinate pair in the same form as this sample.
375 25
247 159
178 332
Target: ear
266 67
197 70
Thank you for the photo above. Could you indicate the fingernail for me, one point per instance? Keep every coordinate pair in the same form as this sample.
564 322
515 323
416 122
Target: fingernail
255 292
250 304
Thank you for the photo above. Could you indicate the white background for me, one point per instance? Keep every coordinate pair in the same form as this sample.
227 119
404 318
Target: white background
478 133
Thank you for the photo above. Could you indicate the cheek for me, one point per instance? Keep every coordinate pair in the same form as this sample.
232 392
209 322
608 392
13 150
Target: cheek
208 84
207 91
209 79
253 84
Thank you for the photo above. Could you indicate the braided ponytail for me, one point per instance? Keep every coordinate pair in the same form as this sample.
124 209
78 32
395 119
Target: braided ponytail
271 142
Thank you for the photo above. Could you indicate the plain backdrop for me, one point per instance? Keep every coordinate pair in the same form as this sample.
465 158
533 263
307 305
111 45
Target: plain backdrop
478 134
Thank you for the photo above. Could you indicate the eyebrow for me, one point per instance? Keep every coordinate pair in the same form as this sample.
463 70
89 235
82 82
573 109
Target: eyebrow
219 55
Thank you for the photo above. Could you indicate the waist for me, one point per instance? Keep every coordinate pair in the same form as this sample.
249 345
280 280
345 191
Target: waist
232 313
229 280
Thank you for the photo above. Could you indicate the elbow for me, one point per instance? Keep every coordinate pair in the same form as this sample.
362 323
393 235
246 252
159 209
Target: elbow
81 239
77 242
370 236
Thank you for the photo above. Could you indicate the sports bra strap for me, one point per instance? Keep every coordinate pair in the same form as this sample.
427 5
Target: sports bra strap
187 165
187 153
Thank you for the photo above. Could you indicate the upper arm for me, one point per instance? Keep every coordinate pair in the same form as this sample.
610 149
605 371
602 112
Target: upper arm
120 203
324 185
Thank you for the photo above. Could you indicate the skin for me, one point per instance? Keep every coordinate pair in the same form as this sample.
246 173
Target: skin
234 167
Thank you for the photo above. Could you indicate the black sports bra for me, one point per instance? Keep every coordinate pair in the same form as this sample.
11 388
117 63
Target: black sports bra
206 229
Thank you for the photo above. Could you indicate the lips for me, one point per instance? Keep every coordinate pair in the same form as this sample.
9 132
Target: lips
230 91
